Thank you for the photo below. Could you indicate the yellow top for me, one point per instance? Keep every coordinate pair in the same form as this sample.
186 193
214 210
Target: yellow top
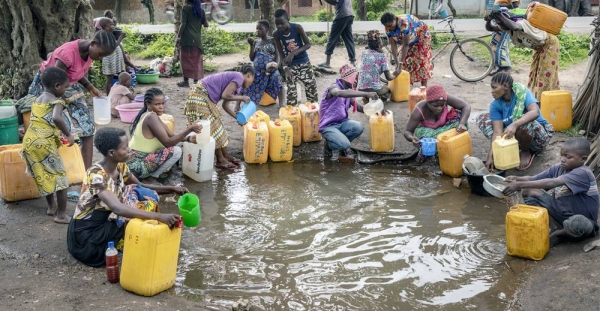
140 143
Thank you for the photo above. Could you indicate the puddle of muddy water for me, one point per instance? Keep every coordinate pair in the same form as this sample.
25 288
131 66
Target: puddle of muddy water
314 236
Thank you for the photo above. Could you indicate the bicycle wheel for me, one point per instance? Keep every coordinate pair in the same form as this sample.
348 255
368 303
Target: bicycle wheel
471 59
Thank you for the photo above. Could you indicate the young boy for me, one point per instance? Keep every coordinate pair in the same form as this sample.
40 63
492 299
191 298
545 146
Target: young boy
120 93
334 125
573 204
292 42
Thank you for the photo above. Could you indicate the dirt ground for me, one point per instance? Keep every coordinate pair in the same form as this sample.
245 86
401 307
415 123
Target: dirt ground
38 273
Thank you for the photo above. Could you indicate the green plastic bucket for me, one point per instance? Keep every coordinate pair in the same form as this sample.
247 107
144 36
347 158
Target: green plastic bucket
189 209
9 131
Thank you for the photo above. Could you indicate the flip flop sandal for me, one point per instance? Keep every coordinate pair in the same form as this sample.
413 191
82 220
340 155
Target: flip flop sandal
324 65
73 196
231 166
235 161
528 163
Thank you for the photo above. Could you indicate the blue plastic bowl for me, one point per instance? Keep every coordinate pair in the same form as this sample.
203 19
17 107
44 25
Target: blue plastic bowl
428 146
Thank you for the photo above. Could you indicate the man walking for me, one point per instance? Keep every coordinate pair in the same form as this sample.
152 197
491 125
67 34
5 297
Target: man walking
342 26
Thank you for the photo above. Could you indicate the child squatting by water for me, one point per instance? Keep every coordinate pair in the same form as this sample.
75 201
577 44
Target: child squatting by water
572 201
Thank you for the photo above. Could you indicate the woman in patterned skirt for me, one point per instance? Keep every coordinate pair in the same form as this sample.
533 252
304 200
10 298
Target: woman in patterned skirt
264 56
202 104
543 72
415 45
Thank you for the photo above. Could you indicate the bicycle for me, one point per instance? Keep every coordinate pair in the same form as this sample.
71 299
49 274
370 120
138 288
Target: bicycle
471 59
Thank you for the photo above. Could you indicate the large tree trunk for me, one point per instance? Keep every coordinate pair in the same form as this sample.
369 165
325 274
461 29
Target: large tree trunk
267 12
29 30
452 9
361 10
118 9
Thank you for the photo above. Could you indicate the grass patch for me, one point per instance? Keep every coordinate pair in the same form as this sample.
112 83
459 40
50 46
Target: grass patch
573 131
573 50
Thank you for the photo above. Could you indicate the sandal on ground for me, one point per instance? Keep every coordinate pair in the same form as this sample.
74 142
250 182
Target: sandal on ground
235 160
73 196
183 84
230 166
522 168
323 65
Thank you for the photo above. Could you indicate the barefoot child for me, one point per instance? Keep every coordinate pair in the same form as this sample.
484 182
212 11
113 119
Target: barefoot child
42 139
120 93
110 195
572 202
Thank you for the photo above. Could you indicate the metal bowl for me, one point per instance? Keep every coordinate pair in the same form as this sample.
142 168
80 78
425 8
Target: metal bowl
494 185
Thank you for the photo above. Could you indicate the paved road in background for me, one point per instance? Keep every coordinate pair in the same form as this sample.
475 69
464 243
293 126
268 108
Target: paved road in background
471 26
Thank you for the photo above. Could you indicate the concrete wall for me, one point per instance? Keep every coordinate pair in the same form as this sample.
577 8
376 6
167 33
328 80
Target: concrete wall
463 7
240 13
133 11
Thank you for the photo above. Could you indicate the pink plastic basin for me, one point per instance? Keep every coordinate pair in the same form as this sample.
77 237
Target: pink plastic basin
128 112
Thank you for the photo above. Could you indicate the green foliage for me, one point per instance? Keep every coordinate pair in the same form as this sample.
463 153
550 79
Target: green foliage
210 67
218 42
573 131
162 45
321 15
95 75
317 38
215 42
573 50
134 41
374 8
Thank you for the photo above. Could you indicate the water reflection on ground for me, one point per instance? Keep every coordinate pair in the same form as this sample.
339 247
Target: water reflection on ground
314 236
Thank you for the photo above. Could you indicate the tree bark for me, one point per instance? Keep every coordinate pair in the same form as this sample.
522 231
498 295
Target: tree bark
267 12
361 10
29 30
118 9
452 9
150 6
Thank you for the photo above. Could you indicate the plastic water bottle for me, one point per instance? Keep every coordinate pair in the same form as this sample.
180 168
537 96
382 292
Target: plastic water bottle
112 263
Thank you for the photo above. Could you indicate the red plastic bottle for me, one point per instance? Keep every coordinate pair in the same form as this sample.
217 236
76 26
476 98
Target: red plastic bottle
112 263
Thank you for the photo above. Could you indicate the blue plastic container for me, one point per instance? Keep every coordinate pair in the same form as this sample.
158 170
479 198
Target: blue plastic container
443 14
246 112
428 146
116 79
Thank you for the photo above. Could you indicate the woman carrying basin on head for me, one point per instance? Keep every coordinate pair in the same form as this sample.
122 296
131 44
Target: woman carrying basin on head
435 115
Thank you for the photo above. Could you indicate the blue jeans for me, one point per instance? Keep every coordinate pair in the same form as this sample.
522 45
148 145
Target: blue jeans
339 136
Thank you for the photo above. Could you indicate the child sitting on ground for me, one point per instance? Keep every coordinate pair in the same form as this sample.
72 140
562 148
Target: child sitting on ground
42 139
373 63
120 93
573 204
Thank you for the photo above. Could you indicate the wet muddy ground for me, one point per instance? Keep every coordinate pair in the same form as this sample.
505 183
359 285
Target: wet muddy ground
39 274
